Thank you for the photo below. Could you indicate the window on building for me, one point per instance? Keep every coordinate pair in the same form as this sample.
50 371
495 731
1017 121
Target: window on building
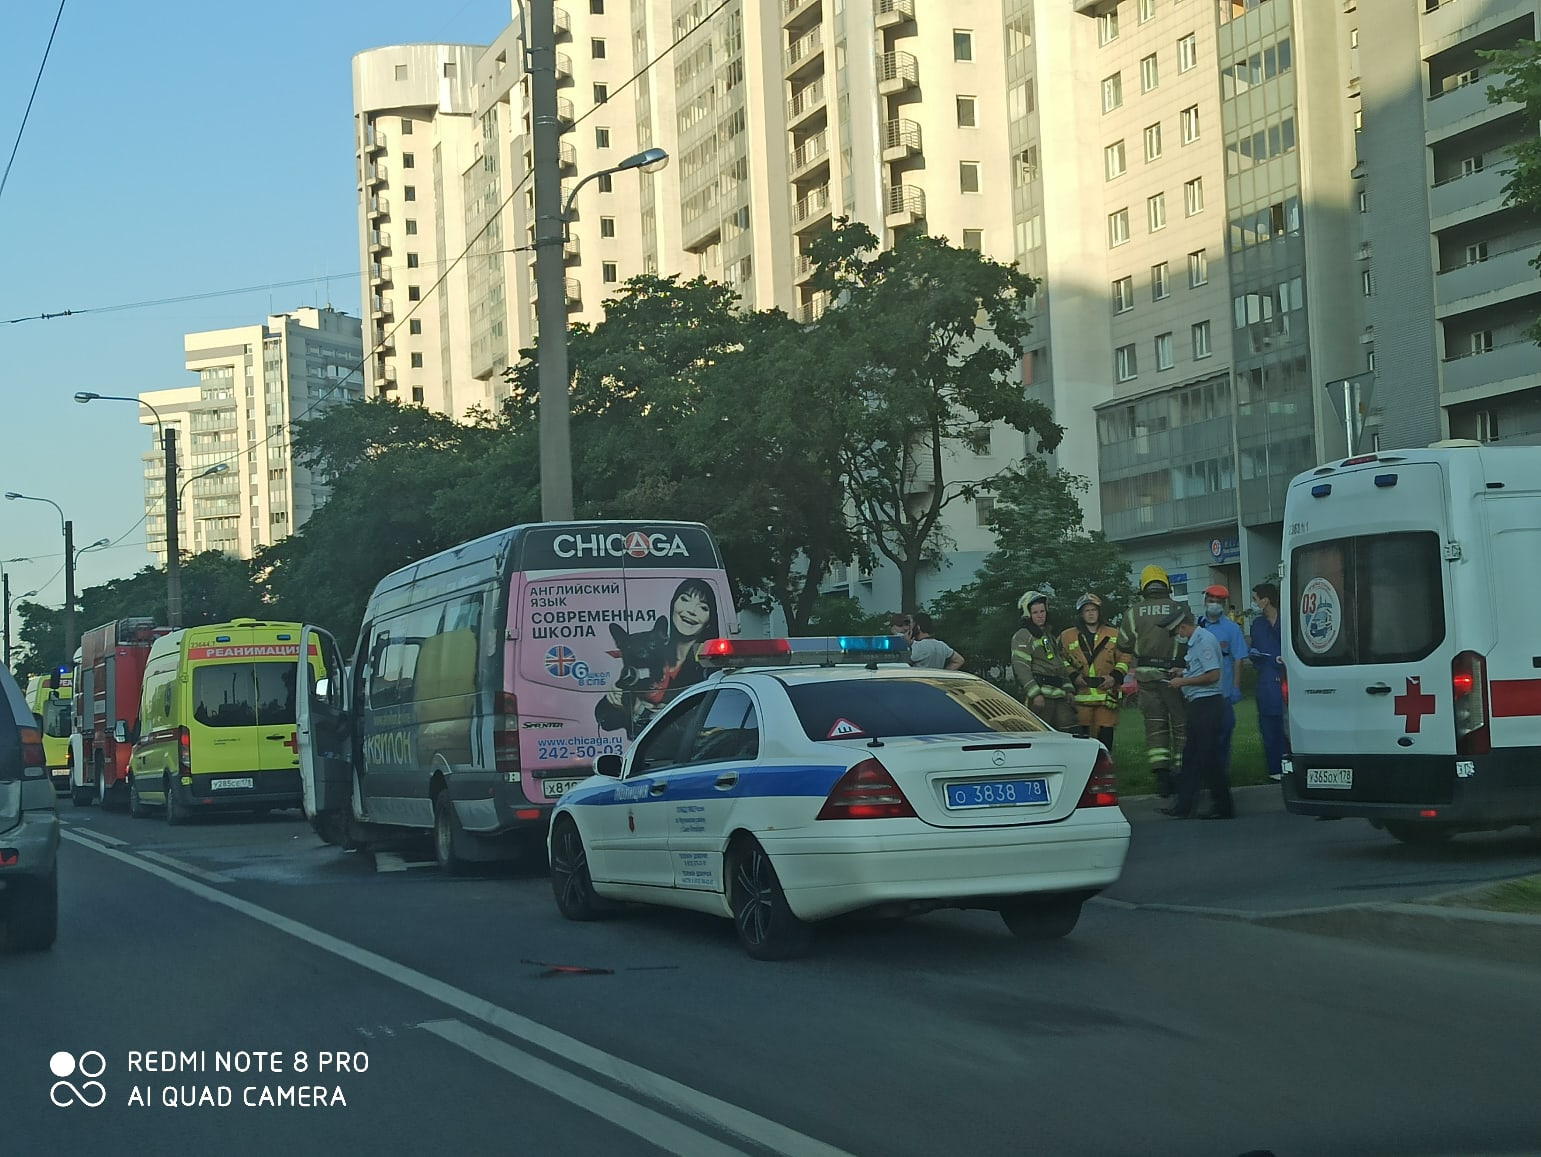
607 226
417 393
974 239
606 183
1364 201
601 138
1113 160
610 272
968 112
1187 53
1112 92
1201 348
414 293
414 326
962 44
1160 282
1150 75
597 48
968 176
411 260
1369 360
1476 253
401 72
1147 10
984 508
409 193
1165 359
597 7
1153 141
1155 212
1107 27
1190 124
601 93
1118 228
1470 165
406 126
1123 295
1366 283
408 161
1481 342
1198 268
411 227
417 361
1125 363
1193 196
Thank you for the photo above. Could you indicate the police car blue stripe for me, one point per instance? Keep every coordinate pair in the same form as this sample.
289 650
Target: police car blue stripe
700 782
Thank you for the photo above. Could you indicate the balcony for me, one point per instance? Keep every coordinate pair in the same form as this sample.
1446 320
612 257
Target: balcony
380 309
379 206
571 253
810 152
379 276
904 205
1503 276
1514 366
792 9
1467 197
1460 109
374 140
811 209
572 290
807 102
384 342
897 72
901 139
564 113
813 309
375 174
379 240
564 68
892 13
563 22
803 50
802 266
385 376
568 157
1094 7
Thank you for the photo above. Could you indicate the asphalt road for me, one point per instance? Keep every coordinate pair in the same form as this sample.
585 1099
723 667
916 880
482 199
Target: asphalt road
1152 1030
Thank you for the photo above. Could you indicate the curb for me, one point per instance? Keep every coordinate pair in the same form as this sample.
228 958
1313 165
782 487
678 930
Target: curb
1474 933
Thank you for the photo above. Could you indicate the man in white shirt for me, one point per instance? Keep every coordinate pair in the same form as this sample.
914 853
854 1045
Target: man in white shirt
928 651
1203 763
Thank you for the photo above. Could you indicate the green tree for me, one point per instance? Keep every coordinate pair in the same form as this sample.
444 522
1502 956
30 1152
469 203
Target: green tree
1521 69
1041 544
919 354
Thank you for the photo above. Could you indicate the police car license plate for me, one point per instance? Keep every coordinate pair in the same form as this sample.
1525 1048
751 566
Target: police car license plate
1340 778
560 787
220 784
997 793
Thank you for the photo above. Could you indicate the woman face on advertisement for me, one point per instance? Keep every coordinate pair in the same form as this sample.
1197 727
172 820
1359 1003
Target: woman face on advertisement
692 612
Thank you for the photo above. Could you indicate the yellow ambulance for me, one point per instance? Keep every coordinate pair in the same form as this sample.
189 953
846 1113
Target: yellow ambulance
52 699
216 722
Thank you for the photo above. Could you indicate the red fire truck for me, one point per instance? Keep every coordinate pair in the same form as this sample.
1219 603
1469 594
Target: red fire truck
112 662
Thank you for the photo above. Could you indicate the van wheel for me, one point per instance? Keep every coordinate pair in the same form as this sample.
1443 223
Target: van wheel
176 811
764 921
136 806
34 923
1419 835
82 796
447 835
108 800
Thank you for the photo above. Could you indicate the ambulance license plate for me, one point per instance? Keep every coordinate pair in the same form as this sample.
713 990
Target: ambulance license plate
560 787
220 784
1338 778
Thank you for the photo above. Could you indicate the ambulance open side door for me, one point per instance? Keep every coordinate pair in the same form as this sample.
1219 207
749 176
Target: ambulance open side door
324 735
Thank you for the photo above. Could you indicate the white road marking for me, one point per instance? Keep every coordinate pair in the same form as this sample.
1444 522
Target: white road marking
666 1133
641 1082
201 873
101 836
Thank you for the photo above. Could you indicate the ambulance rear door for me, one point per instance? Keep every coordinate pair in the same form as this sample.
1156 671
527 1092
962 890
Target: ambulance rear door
1513 668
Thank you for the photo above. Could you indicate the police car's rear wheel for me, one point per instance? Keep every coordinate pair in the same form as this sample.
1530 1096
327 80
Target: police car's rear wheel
570 881
1419 834
34 920
1047 919
766 926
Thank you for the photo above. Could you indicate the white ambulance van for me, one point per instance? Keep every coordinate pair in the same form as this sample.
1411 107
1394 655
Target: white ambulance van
1413 645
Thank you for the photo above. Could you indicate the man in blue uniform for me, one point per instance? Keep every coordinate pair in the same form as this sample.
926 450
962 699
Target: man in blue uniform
1267 657
1199 683
1233 649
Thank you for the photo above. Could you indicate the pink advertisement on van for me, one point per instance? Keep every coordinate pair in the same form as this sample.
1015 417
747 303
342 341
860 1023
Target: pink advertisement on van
608 624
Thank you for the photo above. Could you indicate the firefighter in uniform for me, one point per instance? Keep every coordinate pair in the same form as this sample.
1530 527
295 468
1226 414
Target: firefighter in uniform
1155 653
1047 679
1100 665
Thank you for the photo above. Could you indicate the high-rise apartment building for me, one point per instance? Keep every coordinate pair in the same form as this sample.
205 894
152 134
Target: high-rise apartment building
240 485
1223 202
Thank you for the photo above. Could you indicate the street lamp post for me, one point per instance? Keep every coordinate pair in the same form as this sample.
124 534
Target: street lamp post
168 439
69 570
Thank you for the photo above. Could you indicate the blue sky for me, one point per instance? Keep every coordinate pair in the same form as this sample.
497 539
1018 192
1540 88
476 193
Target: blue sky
174 148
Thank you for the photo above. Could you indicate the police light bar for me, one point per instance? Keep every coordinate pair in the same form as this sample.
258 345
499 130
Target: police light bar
744 652
823 650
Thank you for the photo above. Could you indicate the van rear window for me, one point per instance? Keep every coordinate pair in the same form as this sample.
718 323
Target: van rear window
887 708
243 694
1367 599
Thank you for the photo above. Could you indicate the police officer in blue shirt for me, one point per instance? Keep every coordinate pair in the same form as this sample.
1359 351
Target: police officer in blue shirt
1200 684
1233 649
1267 657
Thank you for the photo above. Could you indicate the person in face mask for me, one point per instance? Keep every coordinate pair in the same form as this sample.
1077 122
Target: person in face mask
1233 649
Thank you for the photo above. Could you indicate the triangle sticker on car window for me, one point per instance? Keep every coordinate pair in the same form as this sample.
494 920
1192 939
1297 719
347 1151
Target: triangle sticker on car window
842 728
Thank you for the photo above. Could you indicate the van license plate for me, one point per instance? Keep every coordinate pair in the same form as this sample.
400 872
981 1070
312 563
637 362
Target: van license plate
218 784
560 787
1338 778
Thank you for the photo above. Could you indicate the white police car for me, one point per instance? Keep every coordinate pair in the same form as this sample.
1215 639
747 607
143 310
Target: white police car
787 788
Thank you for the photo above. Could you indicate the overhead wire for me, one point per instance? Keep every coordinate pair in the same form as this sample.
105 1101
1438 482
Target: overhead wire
37 80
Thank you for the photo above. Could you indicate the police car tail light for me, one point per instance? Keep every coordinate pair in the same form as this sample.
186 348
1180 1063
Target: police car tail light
1468 682
1102 786
744 652
505 732
866 792
32 747
185 750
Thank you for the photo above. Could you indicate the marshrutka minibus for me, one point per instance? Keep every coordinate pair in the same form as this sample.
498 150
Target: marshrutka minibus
488 678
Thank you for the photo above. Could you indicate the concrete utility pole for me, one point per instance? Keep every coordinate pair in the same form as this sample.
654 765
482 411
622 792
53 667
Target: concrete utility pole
69 591
556 466
173 535
5 581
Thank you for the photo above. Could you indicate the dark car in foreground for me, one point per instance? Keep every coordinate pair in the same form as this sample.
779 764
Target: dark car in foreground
29 827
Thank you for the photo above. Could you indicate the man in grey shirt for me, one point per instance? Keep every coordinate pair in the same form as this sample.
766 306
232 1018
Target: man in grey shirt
1203 763
928 651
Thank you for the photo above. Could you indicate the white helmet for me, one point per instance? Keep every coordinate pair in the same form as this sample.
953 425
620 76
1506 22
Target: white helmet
1025 603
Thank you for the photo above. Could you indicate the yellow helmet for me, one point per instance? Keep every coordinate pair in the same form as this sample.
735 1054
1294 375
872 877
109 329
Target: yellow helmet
1154 574
1025 603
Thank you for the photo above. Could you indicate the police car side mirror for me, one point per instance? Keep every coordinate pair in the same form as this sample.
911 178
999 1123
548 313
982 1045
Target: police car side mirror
608 765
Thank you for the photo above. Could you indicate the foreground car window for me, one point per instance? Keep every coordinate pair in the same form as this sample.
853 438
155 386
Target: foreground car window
884 708
10 747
